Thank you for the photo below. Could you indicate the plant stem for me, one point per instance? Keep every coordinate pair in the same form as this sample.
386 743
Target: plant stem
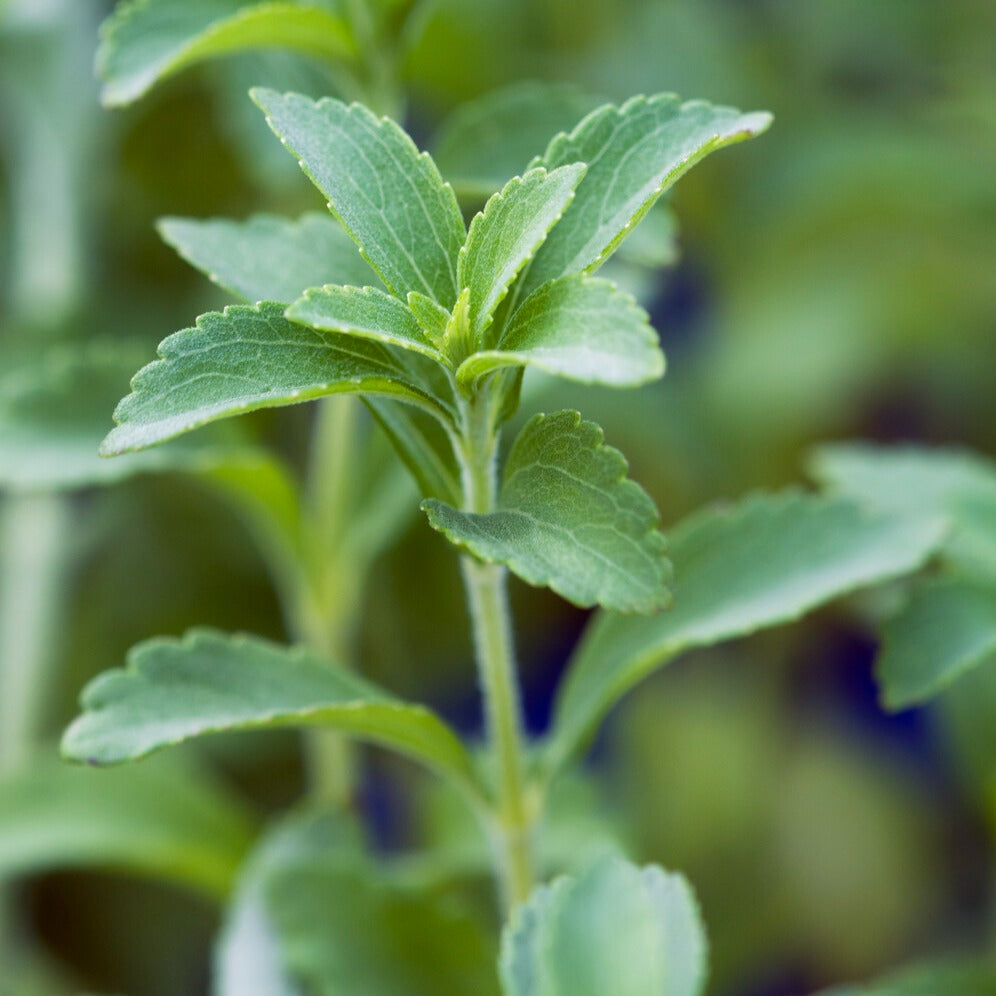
325 609
34 539
487 597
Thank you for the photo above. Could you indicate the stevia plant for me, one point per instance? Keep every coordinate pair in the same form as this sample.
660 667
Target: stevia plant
435 336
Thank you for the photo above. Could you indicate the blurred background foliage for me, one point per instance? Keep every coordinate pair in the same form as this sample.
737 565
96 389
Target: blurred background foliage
834 280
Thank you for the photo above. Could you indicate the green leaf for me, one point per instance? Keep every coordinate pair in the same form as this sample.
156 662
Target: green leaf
957 978
919 481
165 821
947 627
422 445
487 140
389 196
173 690
145 41
577 327
431 317
344 929
243 359
53 414
614 929
267 258
506 234
248 959
365 312
634 153
764 561
570 519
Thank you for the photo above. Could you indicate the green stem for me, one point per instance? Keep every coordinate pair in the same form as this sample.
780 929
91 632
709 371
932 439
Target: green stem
33 537
487 597
324 611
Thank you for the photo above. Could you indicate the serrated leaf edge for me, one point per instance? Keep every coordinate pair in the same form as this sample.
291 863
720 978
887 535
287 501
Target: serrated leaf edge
425 347
539 173
381 123
400 389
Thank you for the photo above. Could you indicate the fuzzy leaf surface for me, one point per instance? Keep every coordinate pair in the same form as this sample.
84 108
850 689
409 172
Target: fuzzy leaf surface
569 519
489 139
634 153
581 328
208 682
615 928
144 41
267 258
765 561
165 821
365 312
506 234
920 481
243 359
947 627
389 196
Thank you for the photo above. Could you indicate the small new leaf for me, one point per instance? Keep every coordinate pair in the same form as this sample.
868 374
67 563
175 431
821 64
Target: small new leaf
506 234
634 153
243 359
389 196
615 929
738 569
578 327
174 690
365 312
568 518
267 258
145 41
947 627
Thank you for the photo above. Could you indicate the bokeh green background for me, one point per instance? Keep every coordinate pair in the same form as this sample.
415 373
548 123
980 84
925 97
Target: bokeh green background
836 280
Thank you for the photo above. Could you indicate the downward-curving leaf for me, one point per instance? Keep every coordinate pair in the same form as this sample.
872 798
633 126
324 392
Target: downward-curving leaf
738 569
267 258
634 153
389 196
242 359
569 518
147 40
581 328
504 236
614 929
947 627
174 690
920 481
365 312
165 821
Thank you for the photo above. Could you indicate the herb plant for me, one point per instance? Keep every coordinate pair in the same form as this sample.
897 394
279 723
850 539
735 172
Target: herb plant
433 324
